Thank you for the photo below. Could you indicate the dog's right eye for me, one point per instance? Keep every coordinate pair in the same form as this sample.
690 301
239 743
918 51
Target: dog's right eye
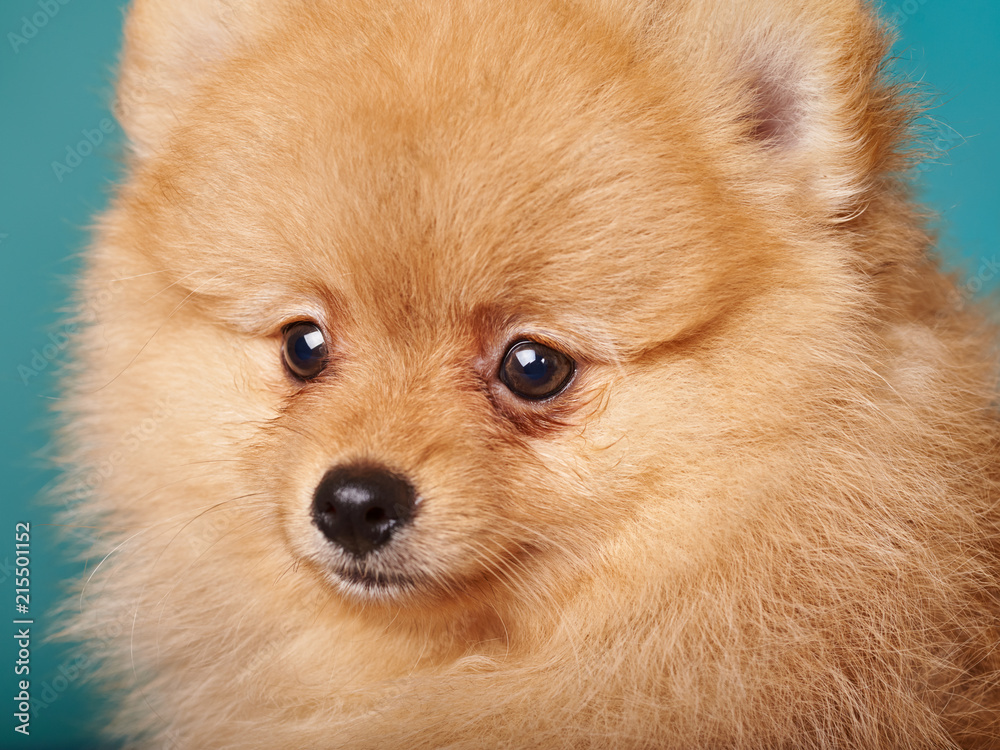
304 350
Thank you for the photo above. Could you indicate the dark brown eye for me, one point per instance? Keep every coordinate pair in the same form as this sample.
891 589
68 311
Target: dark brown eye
304 350
534 371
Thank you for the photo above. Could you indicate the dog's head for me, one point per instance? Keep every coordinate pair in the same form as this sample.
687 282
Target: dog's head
555 370
464 304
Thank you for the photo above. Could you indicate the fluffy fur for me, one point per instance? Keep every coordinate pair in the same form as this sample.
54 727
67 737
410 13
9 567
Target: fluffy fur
764 514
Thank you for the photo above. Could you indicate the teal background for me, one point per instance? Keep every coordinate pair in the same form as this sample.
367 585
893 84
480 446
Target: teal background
57 85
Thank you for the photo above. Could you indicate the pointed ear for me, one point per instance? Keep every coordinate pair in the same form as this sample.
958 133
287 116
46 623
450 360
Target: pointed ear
169 45
803 83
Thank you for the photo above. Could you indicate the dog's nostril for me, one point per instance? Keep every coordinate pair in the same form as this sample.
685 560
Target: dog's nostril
360 507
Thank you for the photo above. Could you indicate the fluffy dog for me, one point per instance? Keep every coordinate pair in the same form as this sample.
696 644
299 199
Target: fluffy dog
530 375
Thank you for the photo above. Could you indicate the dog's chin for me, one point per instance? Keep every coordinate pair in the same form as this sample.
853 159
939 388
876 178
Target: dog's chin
366 580
367 583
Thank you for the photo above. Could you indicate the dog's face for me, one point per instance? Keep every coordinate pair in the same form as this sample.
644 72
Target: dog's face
486 315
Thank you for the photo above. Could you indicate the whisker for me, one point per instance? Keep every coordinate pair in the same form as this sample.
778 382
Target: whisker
171 285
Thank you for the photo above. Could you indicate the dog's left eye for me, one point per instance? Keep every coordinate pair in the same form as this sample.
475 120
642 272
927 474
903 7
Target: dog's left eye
534 371
304 350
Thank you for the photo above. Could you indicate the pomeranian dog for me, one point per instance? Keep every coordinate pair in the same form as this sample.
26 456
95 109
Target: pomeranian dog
530 375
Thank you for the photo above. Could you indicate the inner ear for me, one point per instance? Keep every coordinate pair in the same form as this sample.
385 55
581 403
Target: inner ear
776 112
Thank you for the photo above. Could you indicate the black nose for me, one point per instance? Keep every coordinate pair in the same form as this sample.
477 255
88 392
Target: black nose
359 507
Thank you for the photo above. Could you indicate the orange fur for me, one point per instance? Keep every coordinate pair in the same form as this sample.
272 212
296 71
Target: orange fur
763 514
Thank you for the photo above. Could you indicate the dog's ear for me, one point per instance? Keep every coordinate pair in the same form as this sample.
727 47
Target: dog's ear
169 45
802 83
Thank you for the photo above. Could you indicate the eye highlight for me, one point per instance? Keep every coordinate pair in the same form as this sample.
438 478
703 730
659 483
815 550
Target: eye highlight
534 371
304 349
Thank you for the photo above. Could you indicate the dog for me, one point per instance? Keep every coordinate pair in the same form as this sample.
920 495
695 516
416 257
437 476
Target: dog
529 375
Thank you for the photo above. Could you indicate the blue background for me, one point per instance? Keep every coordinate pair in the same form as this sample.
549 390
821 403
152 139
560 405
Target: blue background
57 85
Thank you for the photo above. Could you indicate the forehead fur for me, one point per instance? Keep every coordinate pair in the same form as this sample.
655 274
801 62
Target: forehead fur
527 163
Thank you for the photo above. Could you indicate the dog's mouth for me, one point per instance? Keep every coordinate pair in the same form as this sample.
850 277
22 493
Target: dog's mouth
359 577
